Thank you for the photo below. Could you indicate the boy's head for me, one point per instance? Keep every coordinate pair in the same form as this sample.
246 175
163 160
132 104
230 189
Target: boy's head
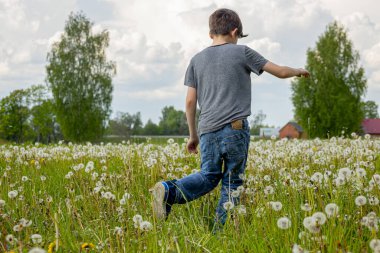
225 21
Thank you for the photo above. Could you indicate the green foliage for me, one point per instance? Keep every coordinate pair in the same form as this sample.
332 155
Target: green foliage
151 128
27 115
14 114
330 101
80 78
43 121
125 124
370 109
173 121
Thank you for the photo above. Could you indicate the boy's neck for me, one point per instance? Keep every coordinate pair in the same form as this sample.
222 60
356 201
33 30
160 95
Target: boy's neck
222 39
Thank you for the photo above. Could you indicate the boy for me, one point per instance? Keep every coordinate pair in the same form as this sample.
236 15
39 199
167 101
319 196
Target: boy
218 78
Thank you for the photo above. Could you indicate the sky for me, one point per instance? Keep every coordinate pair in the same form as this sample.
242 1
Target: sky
152 43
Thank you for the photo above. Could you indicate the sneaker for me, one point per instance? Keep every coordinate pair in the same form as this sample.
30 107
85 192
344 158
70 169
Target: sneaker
161 208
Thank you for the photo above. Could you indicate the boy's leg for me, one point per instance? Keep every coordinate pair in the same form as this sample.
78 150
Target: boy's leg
200 183
235 153
195 185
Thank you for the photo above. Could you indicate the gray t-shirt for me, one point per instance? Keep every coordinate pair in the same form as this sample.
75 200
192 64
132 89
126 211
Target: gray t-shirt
221 76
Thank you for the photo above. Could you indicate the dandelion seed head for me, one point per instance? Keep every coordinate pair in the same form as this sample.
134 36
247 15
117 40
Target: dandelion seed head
319 217
306 207
267 178
137 218
298 249
310 223
242 209
284 223
275 205
145 226
268 190
11 239
36 238
373 201
118 231
229 205
37 250
374 243
360 201
12 194
122 201
235 194
331 210
25 223
240 189
345 173
49 199
17 228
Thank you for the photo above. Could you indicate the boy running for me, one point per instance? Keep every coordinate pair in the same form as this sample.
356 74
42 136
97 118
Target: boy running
218 79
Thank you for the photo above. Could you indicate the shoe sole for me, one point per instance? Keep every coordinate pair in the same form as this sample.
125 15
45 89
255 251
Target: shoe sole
158 192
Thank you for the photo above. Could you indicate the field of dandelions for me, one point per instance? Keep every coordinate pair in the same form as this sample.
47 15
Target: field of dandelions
298 196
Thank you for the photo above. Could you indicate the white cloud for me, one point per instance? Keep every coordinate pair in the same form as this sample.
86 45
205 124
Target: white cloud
162 93
12 12
361 29
265 46
372 56
4 69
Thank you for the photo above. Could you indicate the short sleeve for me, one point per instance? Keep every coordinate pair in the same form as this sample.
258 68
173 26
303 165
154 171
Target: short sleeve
190 76
255 61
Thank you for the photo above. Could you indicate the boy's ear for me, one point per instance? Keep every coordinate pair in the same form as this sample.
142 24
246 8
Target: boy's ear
211 35
234 33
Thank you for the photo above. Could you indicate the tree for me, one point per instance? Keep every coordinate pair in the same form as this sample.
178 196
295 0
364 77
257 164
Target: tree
80 78
151 128
125 124
257 122
42 117
14 115
330 101
173 122
370 109
43 121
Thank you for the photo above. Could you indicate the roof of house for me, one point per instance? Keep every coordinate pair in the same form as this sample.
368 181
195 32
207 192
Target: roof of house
295 125
371 126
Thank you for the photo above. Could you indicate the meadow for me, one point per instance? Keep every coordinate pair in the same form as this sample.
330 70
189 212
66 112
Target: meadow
298 196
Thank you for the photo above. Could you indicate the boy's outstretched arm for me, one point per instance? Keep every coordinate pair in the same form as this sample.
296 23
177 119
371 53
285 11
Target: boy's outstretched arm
284 71
191 109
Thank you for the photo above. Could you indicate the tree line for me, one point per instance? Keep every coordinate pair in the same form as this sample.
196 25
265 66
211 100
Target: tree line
29 115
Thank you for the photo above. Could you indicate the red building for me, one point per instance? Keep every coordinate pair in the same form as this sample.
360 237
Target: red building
371 127
292 131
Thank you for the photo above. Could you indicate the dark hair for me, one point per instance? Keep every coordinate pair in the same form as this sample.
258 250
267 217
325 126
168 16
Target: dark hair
223 21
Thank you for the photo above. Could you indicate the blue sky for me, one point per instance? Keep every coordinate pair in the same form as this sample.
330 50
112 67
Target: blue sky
153 41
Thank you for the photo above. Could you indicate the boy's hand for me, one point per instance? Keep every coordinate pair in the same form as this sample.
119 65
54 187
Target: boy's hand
303 72
192 145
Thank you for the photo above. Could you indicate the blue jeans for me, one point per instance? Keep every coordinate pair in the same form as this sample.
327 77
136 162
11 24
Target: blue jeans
223 158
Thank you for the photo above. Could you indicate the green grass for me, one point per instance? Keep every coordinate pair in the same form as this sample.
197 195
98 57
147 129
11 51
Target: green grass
80 215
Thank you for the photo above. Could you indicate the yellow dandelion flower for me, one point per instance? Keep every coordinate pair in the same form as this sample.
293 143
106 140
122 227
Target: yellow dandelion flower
51 247
32 162
87 246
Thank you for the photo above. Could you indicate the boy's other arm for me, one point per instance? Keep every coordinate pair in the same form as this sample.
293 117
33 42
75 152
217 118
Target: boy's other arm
191 108
284 71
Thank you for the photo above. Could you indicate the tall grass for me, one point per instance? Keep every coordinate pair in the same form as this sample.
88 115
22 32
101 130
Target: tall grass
92 194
